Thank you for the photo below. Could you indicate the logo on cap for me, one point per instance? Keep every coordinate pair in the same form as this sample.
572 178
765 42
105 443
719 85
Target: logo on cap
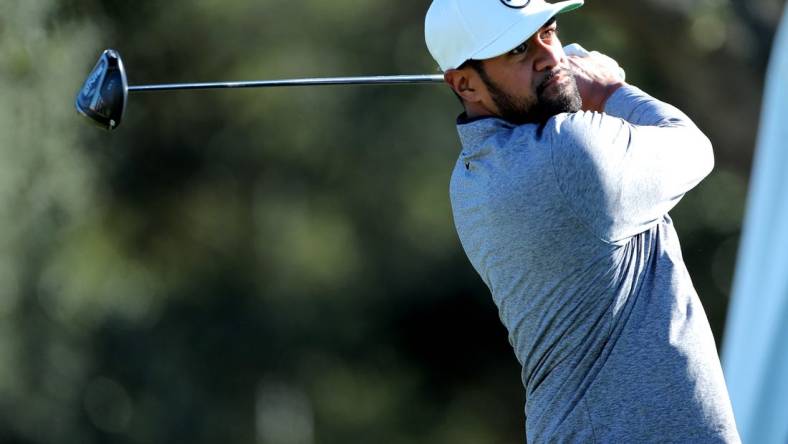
516 4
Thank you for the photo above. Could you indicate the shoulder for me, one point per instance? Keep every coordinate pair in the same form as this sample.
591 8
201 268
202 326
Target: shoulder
587 151
582 128
585 136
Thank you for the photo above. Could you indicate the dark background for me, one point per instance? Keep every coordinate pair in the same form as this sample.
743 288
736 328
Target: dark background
280 266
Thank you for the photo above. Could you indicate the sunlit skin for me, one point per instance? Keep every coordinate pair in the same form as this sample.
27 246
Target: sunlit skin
520 72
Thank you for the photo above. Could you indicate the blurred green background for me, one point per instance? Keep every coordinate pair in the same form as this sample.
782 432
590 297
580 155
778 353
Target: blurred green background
280 266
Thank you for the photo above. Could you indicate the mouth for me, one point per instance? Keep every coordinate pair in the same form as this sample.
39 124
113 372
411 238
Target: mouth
554 79
551 79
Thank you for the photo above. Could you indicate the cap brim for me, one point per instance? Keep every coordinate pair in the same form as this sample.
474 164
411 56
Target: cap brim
524 29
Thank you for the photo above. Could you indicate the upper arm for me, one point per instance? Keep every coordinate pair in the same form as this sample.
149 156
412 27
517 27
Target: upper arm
621 178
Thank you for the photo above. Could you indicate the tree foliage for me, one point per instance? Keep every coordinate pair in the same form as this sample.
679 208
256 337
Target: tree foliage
280 266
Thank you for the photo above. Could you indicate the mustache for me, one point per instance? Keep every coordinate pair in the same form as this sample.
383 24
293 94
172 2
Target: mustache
550 76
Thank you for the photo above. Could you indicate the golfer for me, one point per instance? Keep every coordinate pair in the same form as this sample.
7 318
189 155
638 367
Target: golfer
560 198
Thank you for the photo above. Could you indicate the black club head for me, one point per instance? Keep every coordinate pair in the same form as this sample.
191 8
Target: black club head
102 98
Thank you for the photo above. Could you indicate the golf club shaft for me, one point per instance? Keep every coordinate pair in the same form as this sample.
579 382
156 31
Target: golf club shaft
370 80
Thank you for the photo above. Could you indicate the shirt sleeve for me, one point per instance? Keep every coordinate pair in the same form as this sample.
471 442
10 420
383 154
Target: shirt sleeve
621 171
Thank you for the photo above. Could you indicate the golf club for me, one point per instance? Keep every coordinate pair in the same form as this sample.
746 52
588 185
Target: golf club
102 98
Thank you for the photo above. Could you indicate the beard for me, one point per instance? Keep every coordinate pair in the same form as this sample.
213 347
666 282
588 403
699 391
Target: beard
520 110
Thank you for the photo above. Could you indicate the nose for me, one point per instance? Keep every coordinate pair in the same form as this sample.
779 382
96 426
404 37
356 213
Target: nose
548 55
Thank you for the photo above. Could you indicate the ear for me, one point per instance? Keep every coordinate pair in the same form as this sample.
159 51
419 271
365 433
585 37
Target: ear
465 83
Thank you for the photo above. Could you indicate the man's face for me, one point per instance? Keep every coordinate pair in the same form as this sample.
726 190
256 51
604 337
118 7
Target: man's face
529 84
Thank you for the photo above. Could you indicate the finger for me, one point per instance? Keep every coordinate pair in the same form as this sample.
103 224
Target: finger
578 64
575 49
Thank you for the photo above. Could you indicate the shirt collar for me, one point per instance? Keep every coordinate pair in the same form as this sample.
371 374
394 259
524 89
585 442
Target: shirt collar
474 131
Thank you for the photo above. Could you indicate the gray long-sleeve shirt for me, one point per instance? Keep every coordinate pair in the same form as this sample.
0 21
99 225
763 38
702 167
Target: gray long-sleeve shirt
568 226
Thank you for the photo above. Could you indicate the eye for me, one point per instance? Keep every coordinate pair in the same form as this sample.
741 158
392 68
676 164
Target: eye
520 49
549 33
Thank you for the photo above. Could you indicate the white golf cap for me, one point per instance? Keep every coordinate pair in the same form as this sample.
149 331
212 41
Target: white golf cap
459 30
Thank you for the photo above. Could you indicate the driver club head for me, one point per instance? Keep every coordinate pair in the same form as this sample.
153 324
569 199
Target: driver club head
102 98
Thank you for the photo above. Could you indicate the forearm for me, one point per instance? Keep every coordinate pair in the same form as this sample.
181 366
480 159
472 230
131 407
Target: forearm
636 107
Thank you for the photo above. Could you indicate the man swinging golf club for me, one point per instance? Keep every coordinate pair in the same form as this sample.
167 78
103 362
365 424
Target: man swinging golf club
560 198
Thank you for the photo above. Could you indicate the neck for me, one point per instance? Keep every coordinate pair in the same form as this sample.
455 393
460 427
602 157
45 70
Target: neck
475 110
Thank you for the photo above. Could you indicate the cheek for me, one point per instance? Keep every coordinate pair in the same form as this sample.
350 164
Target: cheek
517 80
525 83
